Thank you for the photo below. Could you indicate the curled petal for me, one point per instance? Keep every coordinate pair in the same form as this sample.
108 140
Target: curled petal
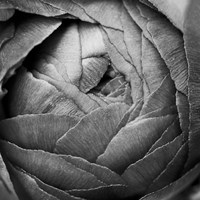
36 30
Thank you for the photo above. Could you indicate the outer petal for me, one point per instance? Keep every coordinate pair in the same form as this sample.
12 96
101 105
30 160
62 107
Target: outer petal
50 168
192 45
6 187
176 187
36 131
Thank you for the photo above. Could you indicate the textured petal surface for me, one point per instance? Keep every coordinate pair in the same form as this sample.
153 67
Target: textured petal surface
6 186
192 45
6 14
36 131
174 10
27 35
132 142
105 104
164 96
32 95
63 174
47 8
89 138
176 187
141 174
169 42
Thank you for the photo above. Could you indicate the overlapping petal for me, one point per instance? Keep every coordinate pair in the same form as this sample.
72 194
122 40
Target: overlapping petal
101 98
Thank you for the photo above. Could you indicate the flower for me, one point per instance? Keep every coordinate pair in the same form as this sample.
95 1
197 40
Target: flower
99 99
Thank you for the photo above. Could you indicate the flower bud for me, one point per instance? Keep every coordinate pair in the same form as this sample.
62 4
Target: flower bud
100 100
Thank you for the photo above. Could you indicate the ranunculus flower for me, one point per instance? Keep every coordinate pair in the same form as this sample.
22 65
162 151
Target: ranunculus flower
99 99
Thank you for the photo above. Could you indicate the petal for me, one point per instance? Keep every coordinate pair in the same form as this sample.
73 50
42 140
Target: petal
64 46
68 7
116 56
183 112
60 194
163 97
192 46
28 34
132 39
92 134
174 10
92 43
94 59
141 174
126 68
169 42
6 14
113 85
48 8
172 170
6 194
30 95
119 92
70 91
27 187
102 193
111 100
136 111
132 8
6 186
147 12
132 113
132 142
93 71
98 99
153 66
116 37
159 112
176 187
2 107
7 31
50 168
168 135
102 173
148 3
36 131
99 192
105 12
